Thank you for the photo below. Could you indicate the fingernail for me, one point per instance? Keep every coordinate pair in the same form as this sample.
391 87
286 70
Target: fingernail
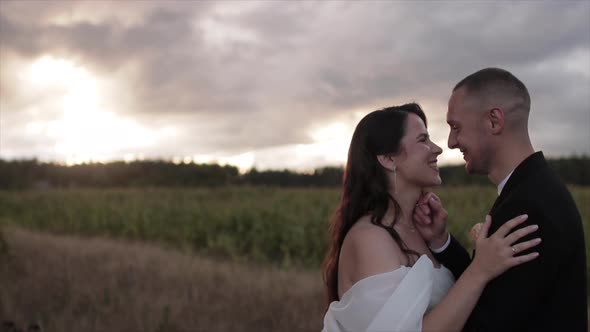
538 240
535 227
524 216
535 254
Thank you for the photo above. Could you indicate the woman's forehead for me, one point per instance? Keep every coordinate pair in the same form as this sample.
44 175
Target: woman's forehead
415 124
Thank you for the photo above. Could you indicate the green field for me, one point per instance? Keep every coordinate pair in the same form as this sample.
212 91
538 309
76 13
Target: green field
284 227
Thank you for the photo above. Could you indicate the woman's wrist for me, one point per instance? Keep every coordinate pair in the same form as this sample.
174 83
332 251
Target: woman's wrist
476 275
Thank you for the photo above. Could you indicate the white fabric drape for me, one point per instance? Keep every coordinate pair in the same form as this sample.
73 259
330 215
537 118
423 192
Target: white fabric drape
395 301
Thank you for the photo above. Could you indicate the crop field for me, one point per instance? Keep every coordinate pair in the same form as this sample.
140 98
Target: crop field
264 243
283 227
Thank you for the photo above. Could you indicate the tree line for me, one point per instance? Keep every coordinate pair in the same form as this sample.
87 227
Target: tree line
32 174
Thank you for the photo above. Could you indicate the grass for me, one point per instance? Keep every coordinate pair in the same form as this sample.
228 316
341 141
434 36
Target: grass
78 284
221 259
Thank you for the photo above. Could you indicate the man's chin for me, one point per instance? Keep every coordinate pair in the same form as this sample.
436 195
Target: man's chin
471 170
468 168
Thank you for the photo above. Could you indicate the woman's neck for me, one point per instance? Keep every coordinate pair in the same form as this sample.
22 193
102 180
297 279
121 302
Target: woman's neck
406 198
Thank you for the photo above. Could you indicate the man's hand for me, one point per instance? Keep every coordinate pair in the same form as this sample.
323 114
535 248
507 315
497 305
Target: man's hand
430 219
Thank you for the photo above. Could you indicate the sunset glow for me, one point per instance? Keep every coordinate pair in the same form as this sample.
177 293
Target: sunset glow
87 129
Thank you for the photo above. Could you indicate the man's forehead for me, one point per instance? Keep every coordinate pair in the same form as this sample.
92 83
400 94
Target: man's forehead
451 111
460 105
458 97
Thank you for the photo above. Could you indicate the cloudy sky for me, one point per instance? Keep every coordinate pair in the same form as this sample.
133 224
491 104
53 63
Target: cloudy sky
271 84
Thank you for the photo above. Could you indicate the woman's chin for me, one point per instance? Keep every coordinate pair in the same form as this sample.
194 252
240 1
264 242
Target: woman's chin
430 183
437 181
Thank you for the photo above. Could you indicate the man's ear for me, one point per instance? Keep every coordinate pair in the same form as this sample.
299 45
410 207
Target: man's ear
387 162
495 120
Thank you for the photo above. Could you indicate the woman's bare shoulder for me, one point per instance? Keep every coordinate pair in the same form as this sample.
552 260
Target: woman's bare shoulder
370 250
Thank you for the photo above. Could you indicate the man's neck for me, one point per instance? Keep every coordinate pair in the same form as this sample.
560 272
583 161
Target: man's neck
506 160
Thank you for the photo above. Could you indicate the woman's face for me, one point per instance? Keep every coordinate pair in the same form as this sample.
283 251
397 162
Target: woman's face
417 162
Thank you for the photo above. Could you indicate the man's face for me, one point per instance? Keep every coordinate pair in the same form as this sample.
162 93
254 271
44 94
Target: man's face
466 120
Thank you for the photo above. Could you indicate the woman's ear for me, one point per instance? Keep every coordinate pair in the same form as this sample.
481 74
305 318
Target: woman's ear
387 162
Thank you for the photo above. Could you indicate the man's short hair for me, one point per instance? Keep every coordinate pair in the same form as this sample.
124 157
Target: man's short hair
498 85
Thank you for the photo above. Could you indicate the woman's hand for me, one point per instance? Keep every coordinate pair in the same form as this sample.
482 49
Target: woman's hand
430 219
497 253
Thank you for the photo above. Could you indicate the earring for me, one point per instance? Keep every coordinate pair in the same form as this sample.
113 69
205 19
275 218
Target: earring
394 179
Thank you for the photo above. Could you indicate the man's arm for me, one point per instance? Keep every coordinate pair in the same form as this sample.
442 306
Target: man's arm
509 301
454 257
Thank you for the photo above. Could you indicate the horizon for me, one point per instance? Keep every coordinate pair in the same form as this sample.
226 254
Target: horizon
241 171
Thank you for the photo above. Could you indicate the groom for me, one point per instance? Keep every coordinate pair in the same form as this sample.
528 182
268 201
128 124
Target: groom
488 116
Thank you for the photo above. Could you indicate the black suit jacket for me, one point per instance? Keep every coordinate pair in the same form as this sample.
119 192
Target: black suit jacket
548 293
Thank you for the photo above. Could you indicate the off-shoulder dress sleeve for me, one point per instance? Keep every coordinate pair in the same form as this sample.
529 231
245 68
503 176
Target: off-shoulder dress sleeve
395 301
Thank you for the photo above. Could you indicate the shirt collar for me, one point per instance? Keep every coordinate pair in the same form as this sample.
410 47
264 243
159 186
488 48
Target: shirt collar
503 183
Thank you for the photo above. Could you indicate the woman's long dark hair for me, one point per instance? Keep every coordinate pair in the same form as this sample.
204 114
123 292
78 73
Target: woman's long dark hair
365 185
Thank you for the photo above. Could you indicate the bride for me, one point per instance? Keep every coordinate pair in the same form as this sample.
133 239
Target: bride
379 273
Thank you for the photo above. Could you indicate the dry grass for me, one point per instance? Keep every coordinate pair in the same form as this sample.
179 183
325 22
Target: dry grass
79 284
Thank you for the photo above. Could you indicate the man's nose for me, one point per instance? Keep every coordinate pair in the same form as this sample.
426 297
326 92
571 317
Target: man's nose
452 142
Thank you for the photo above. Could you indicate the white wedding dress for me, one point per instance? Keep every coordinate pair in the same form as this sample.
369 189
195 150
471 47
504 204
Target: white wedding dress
393 301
